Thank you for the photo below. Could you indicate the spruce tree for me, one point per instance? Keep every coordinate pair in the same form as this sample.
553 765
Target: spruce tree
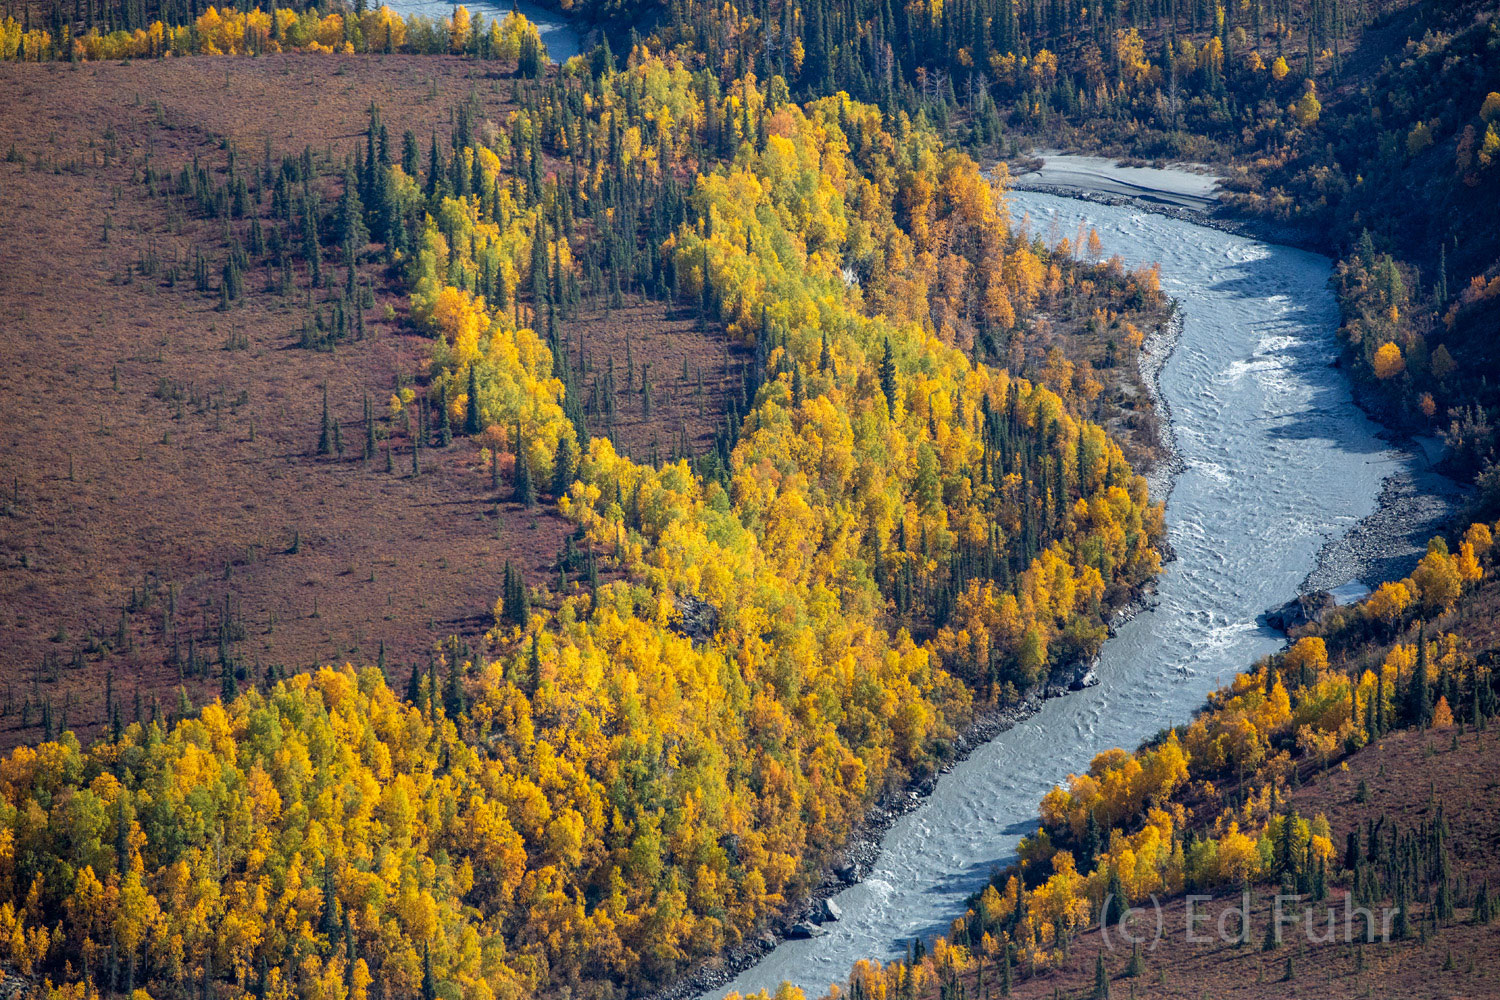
369 429
471 417
565 467
325 435
229 686
414 682
1419 696
429 981
454 702
1118 900
888 378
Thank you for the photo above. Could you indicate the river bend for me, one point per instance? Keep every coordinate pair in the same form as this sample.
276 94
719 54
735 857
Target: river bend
1277 460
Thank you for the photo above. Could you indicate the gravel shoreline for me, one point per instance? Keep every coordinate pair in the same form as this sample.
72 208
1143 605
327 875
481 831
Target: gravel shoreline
1156 350
1220 219
1414 504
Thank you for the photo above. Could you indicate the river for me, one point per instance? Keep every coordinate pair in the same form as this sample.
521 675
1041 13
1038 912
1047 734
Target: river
1277 460
559 35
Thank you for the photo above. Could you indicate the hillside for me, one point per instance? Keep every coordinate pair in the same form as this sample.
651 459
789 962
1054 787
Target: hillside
162 450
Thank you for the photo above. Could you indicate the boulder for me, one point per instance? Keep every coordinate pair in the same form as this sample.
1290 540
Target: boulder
1072 677
696 620
805 929
1300 610
828 911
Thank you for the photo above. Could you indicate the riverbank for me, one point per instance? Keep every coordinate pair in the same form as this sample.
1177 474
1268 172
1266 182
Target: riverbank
1187 186
1156 351
859 857
1177 191
1413 505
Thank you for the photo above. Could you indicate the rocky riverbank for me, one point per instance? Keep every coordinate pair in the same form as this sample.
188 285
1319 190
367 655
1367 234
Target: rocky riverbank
1414 505
863 849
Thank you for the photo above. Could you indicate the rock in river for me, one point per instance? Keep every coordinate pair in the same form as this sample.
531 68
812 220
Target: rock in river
1300 610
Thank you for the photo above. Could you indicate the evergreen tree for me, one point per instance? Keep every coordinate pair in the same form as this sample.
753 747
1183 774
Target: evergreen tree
352 232
429 981
369 429
414 682
1419 695
454 702
888 378
325 435
471 416
229 687
1119 902
565 466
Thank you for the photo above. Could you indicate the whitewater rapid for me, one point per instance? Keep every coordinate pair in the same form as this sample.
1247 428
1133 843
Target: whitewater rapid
1277 460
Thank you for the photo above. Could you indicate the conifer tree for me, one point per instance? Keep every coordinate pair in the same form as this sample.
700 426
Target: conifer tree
429 981
888 378
471 417
1419 695
369 429
565 467
454 702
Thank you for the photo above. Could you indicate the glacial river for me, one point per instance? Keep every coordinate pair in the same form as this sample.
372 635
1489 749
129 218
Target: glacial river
1277 460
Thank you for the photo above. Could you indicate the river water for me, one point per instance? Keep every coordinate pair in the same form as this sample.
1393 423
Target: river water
559 35
1277 460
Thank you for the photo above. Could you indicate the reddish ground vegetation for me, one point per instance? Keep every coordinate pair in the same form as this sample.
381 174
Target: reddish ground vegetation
153 443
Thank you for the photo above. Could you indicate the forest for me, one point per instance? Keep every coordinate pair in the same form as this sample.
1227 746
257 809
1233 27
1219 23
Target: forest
792 455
